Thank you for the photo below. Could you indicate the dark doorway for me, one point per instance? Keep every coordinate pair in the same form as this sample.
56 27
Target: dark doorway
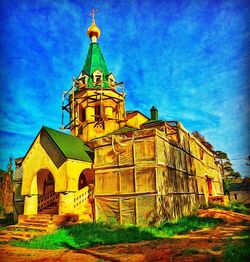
209 186
47 197
82 182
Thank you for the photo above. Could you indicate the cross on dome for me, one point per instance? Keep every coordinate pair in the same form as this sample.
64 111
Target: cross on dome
93 13
94 31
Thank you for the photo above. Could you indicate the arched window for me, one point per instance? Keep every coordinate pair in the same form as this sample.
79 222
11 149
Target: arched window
111 80
97 112
97 78
82 115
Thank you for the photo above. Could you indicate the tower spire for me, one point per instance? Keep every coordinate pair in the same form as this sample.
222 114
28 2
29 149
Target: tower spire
94 31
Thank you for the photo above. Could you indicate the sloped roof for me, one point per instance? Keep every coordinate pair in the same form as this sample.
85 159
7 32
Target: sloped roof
72 147
122 130
130 114
153 122
95 60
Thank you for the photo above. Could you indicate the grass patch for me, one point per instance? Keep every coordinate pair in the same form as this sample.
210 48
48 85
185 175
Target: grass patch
233 206
237 251
187 224
91 234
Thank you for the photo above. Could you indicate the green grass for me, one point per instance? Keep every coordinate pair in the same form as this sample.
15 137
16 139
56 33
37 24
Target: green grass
233 206
238 251
92 234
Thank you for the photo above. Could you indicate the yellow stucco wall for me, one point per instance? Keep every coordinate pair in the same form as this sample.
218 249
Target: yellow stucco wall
65 177
137 120
74 169
35 160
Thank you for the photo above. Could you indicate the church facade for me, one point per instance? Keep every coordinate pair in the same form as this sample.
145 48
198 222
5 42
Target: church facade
115 165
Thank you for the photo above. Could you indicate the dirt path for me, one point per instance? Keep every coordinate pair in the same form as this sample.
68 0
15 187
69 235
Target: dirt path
203 245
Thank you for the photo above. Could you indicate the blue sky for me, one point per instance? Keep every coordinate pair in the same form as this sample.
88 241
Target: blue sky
188 58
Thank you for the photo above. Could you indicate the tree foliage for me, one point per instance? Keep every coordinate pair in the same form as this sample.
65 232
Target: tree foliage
221 158
203 140
229 175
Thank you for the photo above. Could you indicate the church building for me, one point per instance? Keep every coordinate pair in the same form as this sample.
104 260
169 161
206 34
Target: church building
115 165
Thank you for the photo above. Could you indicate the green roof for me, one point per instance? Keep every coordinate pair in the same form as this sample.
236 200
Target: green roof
122 130
94 61
71 146
153 122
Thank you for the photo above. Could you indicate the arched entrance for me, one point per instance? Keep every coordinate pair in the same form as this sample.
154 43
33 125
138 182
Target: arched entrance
82 181
86 178
47 198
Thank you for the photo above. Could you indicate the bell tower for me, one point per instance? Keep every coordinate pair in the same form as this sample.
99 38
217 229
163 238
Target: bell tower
95 101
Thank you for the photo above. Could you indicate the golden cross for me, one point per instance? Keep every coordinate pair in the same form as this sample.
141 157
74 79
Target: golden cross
93 13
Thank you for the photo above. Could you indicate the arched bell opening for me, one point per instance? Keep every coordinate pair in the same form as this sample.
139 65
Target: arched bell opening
47 197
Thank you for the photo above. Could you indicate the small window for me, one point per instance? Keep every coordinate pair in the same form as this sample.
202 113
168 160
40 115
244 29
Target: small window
97 112
201 154
98 79
235 196
80 131
84 80
111 82
83 115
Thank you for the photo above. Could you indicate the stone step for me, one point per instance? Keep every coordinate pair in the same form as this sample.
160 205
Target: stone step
18 233
22 238
48 211
6 238
38 221
35 223
41 217
19 227
3 232
10 237
51 207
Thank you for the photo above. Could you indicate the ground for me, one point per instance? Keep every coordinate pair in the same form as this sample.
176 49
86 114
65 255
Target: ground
202 245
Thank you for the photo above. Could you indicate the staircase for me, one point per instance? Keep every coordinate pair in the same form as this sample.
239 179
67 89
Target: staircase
29 227
51 209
